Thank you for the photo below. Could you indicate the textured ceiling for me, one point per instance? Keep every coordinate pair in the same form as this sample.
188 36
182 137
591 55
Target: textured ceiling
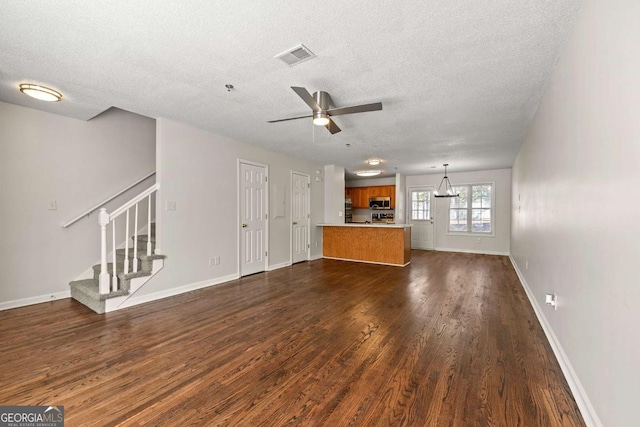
460 81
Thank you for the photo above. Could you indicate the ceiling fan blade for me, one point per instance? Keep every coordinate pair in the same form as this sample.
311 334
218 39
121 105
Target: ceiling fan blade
290 118
332 126
376 106
306 97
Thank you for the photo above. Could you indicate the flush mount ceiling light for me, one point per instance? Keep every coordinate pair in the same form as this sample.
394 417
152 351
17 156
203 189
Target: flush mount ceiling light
320 118
374 162
40 92
368 173
447 186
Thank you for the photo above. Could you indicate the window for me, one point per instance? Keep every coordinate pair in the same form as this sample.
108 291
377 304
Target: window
420 204
472 211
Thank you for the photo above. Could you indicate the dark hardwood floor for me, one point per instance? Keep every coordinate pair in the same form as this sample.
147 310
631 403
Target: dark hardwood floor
450 340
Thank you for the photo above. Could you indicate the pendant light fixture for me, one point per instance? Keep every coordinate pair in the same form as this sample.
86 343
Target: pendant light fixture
448 190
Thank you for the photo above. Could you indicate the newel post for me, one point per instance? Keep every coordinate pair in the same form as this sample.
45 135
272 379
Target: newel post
103 220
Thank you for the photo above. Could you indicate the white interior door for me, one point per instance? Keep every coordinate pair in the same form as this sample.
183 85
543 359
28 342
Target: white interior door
420 215
253 219
300 192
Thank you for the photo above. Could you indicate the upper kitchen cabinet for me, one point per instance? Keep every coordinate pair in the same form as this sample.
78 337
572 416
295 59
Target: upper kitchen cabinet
360 195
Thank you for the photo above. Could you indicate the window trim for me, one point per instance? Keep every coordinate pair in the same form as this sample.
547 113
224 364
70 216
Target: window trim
469 208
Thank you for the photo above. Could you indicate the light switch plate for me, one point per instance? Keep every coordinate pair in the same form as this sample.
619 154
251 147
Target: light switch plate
171 206
53 205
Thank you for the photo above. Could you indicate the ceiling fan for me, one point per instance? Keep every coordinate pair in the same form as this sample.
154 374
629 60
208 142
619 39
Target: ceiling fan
319 103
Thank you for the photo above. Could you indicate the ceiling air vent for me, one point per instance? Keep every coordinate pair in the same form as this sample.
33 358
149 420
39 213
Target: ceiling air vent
296 55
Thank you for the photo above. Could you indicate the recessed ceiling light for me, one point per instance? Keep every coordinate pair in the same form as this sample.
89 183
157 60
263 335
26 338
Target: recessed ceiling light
374 162
40 92
368 173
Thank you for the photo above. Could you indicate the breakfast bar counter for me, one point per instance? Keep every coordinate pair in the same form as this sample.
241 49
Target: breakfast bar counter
388 244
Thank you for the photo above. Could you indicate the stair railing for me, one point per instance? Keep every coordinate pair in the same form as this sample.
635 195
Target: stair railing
107 200
109 283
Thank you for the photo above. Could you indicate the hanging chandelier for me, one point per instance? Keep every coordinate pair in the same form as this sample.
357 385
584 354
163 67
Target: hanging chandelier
448 190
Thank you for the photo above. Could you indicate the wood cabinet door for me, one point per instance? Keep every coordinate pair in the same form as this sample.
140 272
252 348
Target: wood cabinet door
392 194
355 197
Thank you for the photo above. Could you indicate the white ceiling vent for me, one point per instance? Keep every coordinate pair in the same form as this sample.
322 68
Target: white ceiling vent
296 55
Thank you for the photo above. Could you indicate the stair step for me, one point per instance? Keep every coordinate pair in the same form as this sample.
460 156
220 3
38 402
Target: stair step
87 292
145 264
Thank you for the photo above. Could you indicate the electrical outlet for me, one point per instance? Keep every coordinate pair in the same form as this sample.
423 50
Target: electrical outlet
53 205
216 260
171 206
340 213
212 261
316 243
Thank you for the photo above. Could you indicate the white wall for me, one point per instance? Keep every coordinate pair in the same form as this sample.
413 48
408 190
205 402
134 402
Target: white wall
401 199
199 171
496 244
576 208
370 182
46 157
333 194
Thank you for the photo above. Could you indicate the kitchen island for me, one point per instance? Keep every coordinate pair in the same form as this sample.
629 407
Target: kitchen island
388 244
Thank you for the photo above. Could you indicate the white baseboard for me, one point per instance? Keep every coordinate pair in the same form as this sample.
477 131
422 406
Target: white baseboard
135 300
7 305
579 394
277 266
473 251
315 257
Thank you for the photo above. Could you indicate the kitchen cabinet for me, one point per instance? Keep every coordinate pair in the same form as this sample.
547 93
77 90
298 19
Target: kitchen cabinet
360 195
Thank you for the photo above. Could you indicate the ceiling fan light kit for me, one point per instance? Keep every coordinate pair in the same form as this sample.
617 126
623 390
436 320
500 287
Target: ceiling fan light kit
374 162
319 103
320 119
448 190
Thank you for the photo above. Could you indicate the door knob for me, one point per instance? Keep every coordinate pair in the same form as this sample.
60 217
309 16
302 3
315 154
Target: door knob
244 225
295 223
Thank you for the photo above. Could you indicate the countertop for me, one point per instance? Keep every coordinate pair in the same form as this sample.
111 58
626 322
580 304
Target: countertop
354 224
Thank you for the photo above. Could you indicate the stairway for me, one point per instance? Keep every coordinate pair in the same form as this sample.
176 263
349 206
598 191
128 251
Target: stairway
86 291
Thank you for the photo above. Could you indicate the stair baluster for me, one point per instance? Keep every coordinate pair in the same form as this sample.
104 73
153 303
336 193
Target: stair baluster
114 274
135 241
149 226
126 246
103 220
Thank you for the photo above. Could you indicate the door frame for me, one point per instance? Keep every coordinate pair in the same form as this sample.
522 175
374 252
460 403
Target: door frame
291 215
432 208
239 211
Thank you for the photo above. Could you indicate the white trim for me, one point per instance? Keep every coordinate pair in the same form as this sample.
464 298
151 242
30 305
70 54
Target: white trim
23 302
473 251
136 300
315 257
277 266
579 394
367 262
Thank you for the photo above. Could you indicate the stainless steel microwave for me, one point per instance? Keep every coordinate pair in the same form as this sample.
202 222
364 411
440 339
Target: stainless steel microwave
380 203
